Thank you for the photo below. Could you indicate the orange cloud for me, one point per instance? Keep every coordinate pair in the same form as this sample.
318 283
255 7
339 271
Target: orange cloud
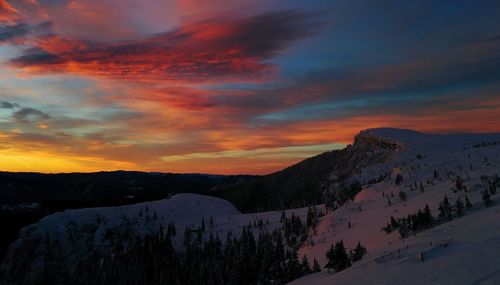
7 12
176 142
227 49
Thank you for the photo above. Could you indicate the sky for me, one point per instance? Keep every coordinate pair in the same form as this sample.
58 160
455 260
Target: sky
234 86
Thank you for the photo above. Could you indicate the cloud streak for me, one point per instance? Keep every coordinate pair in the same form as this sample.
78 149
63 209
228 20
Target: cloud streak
30 115
227 49
7 105
12 32
7 12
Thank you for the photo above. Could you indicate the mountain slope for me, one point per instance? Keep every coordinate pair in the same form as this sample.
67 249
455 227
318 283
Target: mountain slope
471 256
27 197
55 246
438 162
309 181
428 167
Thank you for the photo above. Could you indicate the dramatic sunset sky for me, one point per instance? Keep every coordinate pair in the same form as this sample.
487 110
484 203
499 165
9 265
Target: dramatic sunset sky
220 86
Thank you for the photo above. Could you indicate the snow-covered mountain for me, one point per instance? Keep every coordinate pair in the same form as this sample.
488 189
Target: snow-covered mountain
427 167
463 251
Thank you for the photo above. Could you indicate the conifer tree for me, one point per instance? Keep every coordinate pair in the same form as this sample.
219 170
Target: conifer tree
283 216
399 179
316 267
459 185
487 198
305 266
445 209
202 228
403 228
402 195
358 252
468 204
459 207
427 218
337 257
493 188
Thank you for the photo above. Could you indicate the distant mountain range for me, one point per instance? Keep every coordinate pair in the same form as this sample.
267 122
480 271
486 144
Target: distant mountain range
75 190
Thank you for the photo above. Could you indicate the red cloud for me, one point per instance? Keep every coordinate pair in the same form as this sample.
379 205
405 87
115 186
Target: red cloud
7 12
231 50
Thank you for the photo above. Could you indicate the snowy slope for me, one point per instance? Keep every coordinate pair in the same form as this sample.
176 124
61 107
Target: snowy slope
472 256
65 238
473 253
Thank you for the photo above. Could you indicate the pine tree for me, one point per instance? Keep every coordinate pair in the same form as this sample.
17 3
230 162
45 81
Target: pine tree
358 252
337 257
427 218
459 185
294 268
468 204
436 174
312 217
445 209
171 231
403 228
399 179
493 188
459 207
305 266
486 199
330 255
316 267
402 195
394 223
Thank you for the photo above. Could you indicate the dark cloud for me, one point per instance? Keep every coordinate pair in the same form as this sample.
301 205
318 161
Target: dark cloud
20 31
34 56
26 115
13 32
229 48
8 105
473 66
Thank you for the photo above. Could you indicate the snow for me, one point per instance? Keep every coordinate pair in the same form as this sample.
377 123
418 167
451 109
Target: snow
472 253
74 235
471 256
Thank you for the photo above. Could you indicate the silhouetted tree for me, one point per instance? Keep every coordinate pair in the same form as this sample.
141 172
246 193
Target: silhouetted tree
316 267
337 257
487 198
468 204
459 207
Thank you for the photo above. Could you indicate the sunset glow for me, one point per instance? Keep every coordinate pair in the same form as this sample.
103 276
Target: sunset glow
234 86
